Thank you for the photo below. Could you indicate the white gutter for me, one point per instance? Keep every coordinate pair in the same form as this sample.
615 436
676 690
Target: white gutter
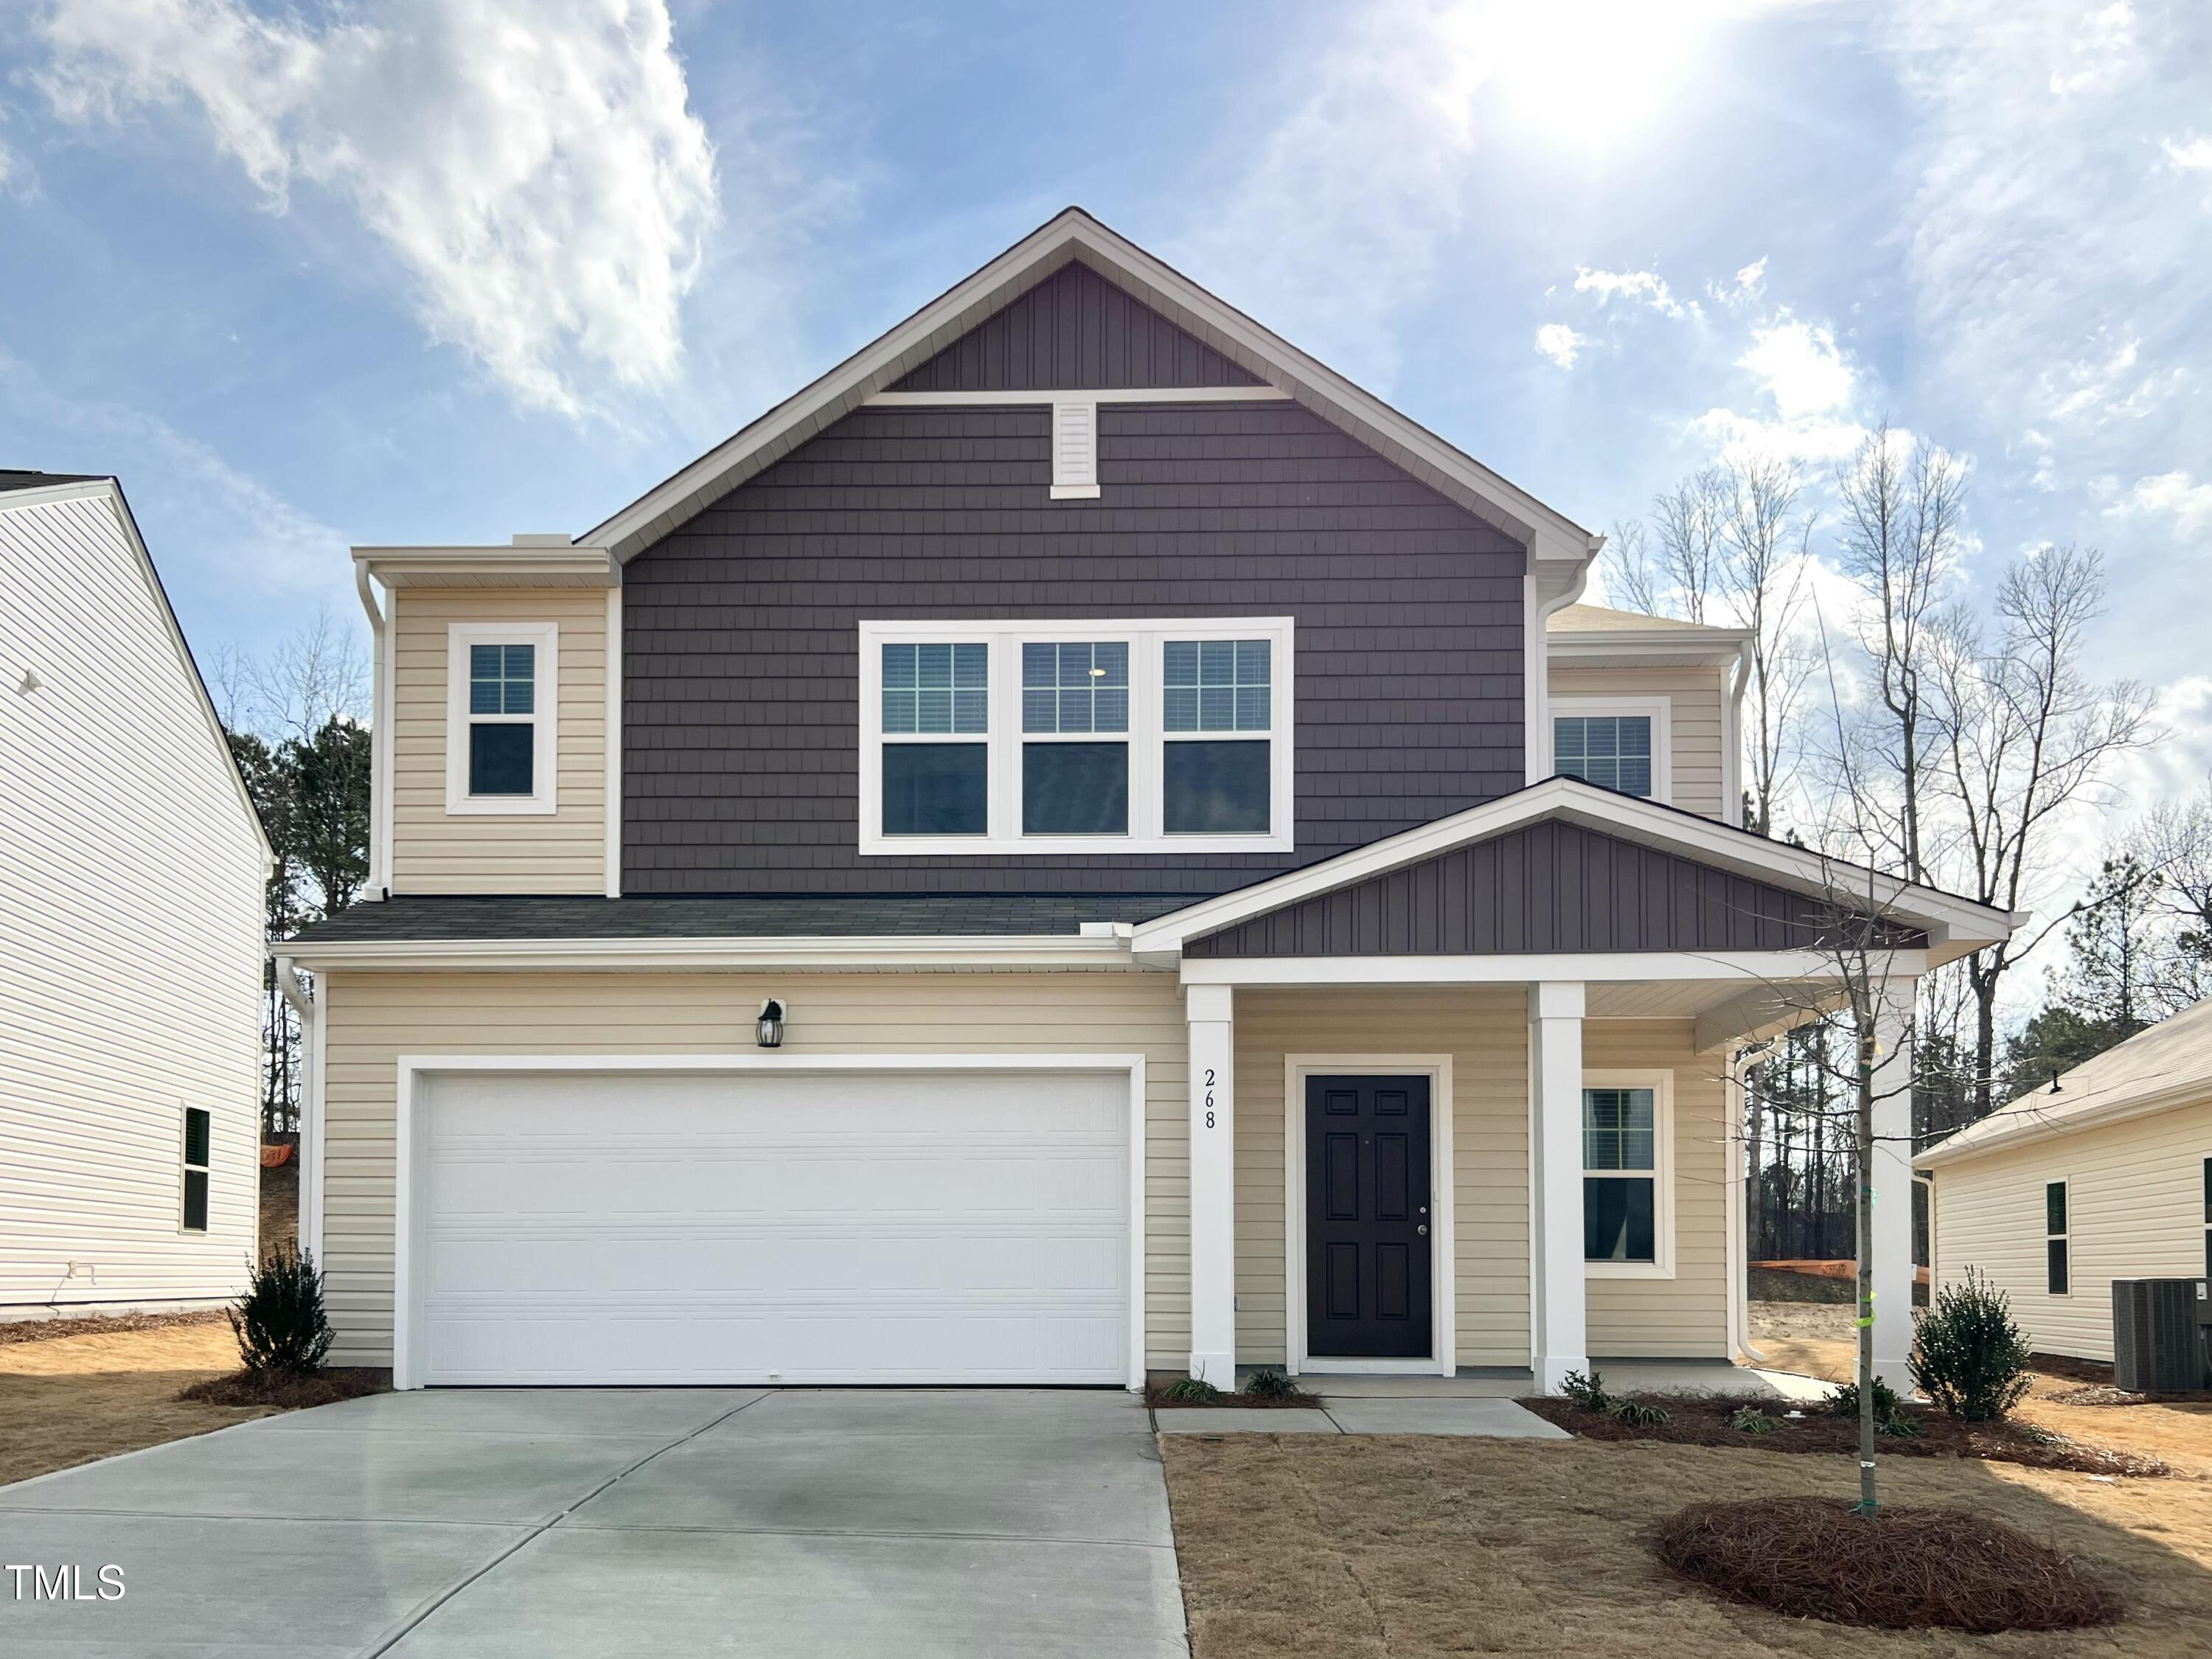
1108 951
2189 1092
380 736
1732 759
1537 694
305 1005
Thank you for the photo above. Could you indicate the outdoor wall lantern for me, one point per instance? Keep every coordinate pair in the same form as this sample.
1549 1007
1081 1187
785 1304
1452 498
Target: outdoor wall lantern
771 1023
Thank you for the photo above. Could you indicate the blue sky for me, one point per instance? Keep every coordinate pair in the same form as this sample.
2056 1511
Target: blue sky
444 270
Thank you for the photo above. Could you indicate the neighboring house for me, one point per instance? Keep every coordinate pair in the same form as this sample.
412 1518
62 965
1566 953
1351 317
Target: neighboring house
1121 752
2104 1174
131 873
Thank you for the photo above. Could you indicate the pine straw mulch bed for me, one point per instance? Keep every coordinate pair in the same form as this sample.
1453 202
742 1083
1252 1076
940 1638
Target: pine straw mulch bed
49 1330
1906 1569
1702 1420
1156 1396
287 1390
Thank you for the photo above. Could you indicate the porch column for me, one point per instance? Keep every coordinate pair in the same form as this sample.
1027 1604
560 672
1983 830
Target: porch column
1209 1010
1892 1187
1561 1341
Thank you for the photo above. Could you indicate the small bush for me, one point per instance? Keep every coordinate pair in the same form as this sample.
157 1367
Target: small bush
1193 1391
1890 1416
1587 1392
279 1321
1271 1383
1749 1420
1968 1355
1640 1415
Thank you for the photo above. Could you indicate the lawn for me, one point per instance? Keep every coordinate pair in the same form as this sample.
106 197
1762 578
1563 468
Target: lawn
1404 1547
67 1400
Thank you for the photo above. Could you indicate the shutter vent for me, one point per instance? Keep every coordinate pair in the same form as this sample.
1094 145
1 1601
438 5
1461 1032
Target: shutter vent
1075 450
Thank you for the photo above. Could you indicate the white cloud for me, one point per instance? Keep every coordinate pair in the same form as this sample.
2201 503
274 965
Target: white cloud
2191 155
1637 287
532 164
1560 343
1798 365
2177 496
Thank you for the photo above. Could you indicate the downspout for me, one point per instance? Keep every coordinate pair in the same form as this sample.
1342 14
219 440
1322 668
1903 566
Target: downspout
309 1009
379 740
1734 800
1539 736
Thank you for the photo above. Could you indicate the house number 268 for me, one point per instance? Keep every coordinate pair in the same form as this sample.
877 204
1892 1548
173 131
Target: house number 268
1209 1097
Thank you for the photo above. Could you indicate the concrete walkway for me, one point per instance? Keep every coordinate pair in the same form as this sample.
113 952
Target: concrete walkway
569 1523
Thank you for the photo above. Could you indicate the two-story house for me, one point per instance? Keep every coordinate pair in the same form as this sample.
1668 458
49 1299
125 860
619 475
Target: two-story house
1081 842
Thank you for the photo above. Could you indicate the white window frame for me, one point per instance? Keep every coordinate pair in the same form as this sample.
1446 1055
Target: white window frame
545 746
1661 1084
1658 710
2066 1184
1147 638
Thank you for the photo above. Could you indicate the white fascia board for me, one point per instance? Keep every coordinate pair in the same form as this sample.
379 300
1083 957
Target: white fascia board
1639 648
1947 921
2032 1130
895 953
1780 969
1551 537
578 566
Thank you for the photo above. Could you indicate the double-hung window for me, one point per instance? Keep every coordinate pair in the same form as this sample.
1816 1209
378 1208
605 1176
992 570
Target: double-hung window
198 1126
1071 736
501 704
2057 1276
1616 743
1627 1174
2208 1218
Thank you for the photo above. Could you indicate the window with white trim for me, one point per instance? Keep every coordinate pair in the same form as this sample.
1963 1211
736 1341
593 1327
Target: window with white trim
2057 1274
198 1134
1075 735
1615 743
2208 1218
501 713
1627 1174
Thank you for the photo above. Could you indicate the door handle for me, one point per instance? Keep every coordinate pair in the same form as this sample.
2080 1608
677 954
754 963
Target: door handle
1422 1230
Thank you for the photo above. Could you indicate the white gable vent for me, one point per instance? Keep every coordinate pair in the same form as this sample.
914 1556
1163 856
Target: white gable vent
1075 449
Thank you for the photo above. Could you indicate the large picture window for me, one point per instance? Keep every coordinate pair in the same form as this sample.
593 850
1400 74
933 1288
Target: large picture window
1628 1174
1055 735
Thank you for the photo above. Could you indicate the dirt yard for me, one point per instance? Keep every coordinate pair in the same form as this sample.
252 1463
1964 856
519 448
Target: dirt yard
69 1399
1404 1547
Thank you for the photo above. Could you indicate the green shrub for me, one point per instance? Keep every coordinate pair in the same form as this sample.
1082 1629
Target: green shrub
1638 1414
1587 1392
1271 1382
279 1321
1968 1355
1193 1391
1749 1420
1890 1416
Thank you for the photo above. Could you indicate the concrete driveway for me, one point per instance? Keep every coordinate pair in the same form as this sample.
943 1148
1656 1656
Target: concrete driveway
548 1523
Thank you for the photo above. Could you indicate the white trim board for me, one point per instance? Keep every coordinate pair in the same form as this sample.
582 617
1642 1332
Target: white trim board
406 1360
1661 1081
1443 1233
1158 394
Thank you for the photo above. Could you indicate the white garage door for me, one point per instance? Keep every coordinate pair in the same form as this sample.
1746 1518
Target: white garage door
793 1227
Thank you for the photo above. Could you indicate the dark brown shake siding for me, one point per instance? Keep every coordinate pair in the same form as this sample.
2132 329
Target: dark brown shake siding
1551 887
740 711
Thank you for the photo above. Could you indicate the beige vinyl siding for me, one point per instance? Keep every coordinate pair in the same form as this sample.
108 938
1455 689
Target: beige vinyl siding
1697 714
371 1018
561 852
1685 1318
2135 1209
131 933
1484 1029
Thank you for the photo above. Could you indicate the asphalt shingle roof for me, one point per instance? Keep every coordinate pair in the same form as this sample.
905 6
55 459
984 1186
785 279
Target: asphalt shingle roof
15 478
423 917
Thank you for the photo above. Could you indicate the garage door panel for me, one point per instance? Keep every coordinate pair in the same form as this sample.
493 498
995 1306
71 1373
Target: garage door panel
613 1228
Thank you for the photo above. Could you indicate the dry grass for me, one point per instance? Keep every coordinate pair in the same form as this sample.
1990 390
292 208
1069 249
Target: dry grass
1407 1547
71 1398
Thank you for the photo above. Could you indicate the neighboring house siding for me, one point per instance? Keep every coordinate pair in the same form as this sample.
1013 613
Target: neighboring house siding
433 852
1075 331
2134 1210
1697 714
373 1018
1549 887
741 672
1485 1031
131 933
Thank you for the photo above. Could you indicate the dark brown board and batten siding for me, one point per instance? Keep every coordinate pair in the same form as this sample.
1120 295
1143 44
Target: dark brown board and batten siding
1546 888
1075 331
741 671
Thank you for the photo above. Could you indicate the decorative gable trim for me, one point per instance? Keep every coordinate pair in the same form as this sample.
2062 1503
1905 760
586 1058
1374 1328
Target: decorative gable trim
1073 234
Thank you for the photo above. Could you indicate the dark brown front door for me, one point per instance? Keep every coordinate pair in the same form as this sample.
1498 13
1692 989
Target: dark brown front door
1368 1236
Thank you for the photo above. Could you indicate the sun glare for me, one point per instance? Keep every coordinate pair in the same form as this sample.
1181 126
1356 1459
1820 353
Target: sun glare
1589 69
